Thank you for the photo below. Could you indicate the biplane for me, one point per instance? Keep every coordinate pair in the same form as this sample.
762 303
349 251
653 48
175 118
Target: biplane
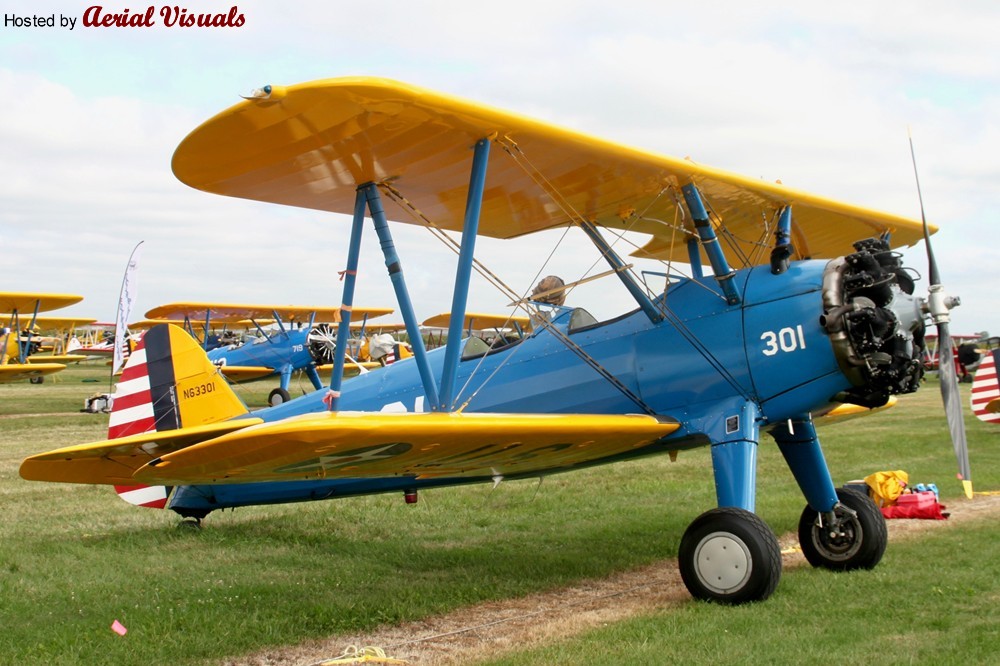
54 336
18 331
793 306
493 329
301 341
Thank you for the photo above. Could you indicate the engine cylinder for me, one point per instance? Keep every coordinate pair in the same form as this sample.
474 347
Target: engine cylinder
874 322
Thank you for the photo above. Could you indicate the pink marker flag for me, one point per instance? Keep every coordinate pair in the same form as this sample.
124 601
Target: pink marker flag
118 628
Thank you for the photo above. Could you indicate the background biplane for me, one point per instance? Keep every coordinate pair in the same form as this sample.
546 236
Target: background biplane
494 330
18 329
283 339
54 337
795 306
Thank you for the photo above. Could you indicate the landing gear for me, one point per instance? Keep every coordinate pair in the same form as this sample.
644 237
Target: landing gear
37 380
731 556
190 525
277 397
854 537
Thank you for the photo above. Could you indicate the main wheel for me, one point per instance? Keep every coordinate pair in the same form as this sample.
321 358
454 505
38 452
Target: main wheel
731 556
278 396
858 542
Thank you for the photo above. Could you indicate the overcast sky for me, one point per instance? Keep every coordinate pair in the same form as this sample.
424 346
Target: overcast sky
818 95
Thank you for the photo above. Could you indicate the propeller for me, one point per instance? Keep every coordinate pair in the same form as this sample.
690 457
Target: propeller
938 306
322 341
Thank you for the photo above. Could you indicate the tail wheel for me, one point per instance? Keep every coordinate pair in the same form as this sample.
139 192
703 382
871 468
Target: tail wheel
856 540
731 556
277 397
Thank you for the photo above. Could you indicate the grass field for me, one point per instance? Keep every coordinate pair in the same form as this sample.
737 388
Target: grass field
75 558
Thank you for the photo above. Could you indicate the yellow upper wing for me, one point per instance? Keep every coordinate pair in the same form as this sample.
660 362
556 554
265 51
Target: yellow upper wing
357 444
232 313
312 144
54 323
25 302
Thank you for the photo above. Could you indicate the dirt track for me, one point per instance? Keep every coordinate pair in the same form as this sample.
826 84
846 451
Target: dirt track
468 634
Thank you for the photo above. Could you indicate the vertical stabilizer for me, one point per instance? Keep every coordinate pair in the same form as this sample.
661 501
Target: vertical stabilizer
167 383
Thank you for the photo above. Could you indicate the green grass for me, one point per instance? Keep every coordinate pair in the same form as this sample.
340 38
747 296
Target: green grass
75 558
932 600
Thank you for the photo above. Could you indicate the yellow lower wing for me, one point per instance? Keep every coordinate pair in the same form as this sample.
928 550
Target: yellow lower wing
15 372
114 461
351 368
245 373
355 444
56 358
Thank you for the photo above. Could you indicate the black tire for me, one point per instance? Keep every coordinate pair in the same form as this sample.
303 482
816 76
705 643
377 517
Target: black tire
730 556
37 380
277 397
859 544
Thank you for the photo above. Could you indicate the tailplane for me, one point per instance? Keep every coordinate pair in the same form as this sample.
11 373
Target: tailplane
986 389
168 383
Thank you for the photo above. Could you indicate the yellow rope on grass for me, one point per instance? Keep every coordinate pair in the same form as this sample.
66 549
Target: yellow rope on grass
365 655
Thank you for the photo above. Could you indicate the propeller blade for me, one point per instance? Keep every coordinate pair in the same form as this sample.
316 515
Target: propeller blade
939 305
953 406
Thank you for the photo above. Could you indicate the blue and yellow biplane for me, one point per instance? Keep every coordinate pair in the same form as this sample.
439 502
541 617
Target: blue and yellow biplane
301 341
795 309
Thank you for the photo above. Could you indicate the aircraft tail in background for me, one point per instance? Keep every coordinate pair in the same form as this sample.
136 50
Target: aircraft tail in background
986 389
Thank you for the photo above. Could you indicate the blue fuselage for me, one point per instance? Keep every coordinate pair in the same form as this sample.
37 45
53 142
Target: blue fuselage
697 365
283 349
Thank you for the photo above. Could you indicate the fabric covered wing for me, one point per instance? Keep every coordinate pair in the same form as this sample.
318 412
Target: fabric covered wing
356 444
232 313
312 144
15 372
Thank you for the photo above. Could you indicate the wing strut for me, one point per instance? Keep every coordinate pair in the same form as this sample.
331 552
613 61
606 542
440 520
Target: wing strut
460 295
402 294
710 242
783 248
368 196
347 303
618 265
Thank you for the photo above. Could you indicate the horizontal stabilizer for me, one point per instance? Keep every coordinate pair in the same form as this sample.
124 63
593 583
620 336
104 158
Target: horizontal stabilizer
365 444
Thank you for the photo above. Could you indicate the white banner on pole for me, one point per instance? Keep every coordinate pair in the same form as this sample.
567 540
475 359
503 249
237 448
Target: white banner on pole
125 301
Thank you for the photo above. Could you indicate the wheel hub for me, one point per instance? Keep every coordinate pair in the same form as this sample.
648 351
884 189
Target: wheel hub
723 562
840 540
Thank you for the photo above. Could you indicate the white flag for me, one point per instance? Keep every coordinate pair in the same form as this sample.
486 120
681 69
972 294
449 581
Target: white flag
125 301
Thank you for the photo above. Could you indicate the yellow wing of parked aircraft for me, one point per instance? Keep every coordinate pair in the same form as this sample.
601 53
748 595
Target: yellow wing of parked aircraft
24 308
498 329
